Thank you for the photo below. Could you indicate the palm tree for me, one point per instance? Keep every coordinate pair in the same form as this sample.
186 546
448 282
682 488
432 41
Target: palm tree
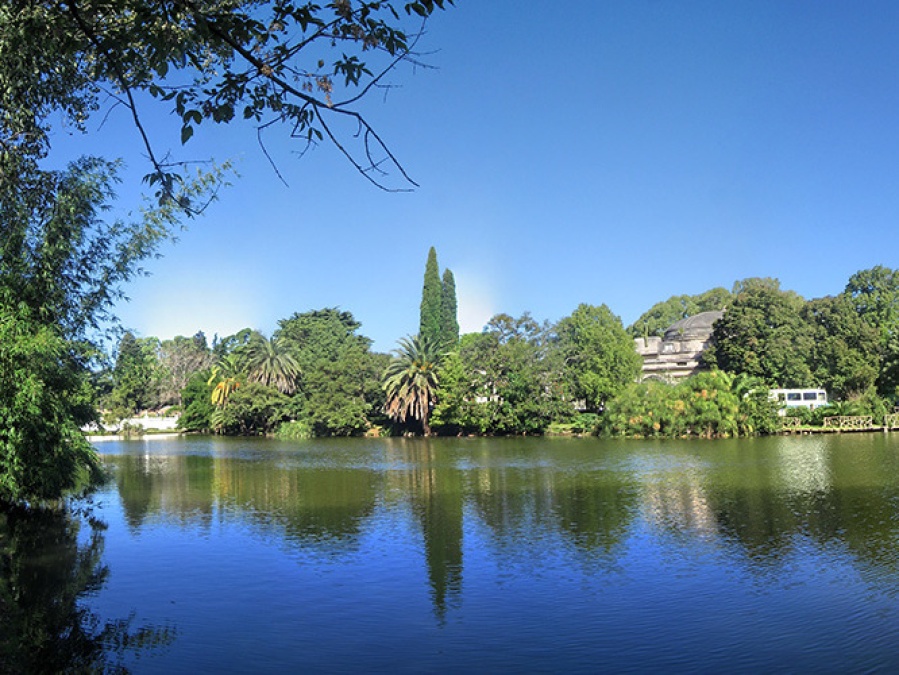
410 381
271 364
228 372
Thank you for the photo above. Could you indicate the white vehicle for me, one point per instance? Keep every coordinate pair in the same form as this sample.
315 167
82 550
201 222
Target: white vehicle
798 398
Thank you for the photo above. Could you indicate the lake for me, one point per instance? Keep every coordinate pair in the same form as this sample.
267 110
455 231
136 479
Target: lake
479 555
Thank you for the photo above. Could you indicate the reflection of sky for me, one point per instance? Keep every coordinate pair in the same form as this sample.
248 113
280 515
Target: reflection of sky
538 566
803 465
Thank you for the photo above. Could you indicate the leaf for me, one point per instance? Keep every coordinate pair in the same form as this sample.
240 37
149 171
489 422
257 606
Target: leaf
186 132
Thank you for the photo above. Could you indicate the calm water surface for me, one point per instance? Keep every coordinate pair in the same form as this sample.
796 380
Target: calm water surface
490 555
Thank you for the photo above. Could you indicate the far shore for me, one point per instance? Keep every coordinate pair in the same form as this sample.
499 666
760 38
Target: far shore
132 437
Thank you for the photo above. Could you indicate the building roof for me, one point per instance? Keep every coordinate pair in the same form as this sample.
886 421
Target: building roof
696 327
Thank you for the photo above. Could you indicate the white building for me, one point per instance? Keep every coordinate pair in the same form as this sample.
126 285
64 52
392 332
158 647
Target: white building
679 353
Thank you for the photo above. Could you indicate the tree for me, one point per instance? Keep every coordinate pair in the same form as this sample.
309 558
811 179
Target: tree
44 401
845 350
271 62
196 398
270 364
763 334
341 377
136 375
61 268
657 319
252 410
875 295
228 374
514 377
600 359
449 329
431 310
179 359
410 381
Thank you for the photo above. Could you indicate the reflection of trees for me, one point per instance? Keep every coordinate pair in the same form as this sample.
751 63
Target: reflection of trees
311 504
435 488
765 495
528 500
177 486
594 508
315 505
46 571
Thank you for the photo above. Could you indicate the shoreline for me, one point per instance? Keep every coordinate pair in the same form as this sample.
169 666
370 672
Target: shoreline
141 437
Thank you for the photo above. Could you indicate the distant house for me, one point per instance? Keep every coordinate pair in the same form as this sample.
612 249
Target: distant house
679 353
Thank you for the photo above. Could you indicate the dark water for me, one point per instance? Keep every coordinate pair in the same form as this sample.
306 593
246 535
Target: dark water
499 555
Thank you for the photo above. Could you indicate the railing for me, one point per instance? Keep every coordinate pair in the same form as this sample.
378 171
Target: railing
790 422
848 422
891 421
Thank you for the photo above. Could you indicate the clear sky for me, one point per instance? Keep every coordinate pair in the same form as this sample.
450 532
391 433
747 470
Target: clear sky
568 152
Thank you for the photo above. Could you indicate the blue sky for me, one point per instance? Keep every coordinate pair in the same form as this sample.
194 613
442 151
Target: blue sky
567 152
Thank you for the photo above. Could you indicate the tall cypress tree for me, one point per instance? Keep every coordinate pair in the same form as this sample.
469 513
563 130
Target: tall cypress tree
450 328
431 318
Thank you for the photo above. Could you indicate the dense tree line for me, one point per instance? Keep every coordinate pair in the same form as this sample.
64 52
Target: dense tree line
318 376
845 343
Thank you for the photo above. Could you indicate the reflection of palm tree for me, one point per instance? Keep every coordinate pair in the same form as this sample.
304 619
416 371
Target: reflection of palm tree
410 381
270 364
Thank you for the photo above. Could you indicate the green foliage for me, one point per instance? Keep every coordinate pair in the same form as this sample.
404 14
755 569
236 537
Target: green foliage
61 269
845 348
656 320
410 381
136 375
197 402
431 310
763 334
44 400
711 404
449 330
438 322
340 380
599 356
875 295
221 347
510 379
270 363
758 413
293 431
253 410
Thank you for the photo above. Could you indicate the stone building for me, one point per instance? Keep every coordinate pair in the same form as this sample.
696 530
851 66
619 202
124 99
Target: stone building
678 354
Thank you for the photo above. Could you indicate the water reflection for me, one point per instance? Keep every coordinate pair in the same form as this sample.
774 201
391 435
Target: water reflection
317 506
768 498
434 487
50 563
758 501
